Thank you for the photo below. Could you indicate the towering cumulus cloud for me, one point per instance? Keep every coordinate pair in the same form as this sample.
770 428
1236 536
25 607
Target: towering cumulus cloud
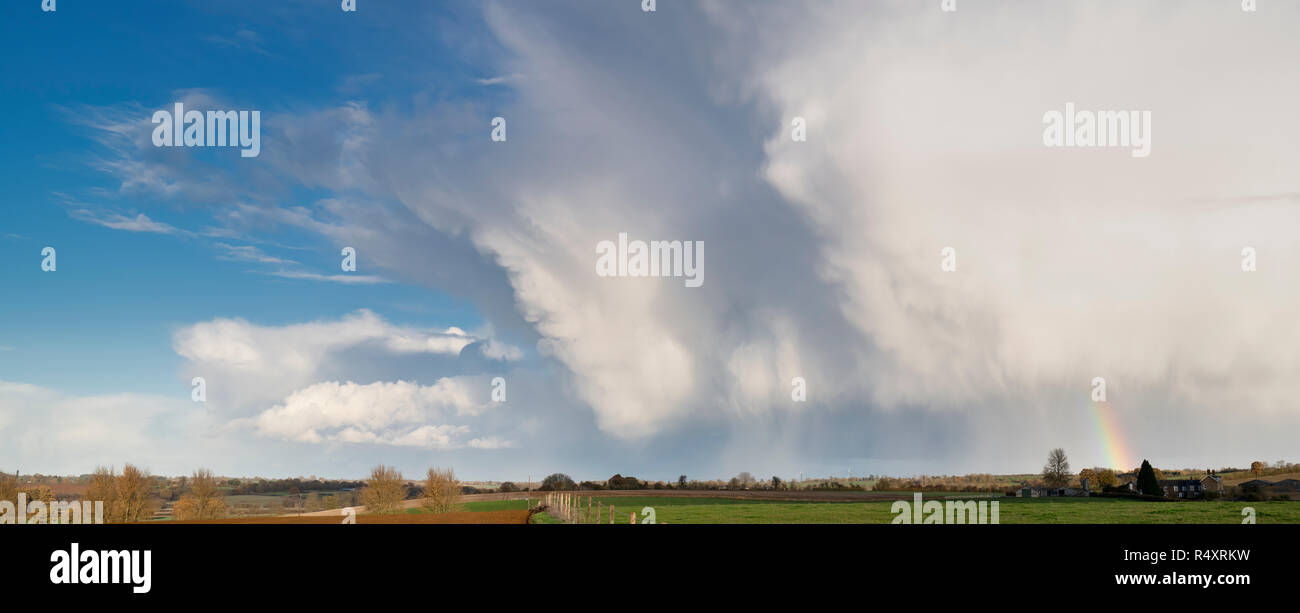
1071 264
924 146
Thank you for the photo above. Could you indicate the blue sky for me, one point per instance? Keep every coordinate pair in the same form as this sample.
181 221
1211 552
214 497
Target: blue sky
105 320
476 258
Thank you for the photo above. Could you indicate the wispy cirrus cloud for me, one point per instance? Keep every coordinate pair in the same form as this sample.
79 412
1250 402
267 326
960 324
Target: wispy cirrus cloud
242 39
348 279
116 221
249 253
498 80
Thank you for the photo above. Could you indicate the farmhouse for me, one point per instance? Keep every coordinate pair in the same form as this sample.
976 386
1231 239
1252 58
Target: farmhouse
1212 482
1182 488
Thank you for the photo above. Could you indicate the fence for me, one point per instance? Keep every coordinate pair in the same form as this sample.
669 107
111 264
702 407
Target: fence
571 508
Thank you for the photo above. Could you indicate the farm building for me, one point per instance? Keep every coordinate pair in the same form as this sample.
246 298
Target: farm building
1044 492
1255 483
1288 484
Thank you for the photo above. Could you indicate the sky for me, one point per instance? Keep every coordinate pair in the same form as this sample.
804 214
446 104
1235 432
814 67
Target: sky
477 258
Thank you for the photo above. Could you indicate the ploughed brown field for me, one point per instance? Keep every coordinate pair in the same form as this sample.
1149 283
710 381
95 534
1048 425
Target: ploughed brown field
480 517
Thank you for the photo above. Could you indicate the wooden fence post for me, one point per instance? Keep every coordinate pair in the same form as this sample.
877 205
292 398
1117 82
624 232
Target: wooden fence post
611 513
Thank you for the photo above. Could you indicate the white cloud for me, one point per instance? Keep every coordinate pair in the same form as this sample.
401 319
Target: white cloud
248 366
1072 263
490 442
47 431
379 413
451 340
497 350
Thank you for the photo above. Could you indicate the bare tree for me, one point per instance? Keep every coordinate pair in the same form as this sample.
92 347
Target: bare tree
441 490
203 501
130 496
42 493
8 487
384 490
102 490
1056 473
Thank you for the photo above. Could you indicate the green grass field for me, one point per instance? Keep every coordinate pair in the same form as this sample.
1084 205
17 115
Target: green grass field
1011 511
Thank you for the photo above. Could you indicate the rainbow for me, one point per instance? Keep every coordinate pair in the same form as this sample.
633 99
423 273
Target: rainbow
1114 445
